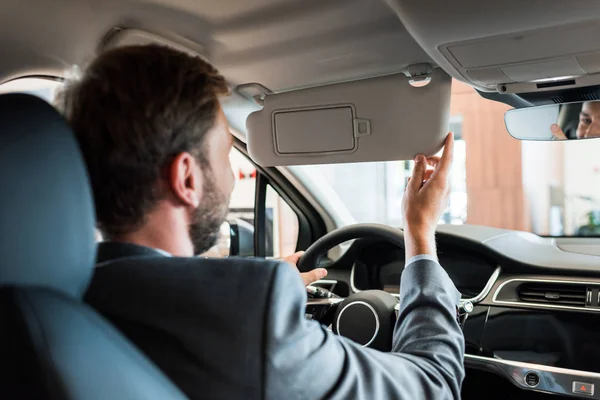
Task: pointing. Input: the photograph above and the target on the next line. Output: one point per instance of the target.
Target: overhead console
(494, 45)
(376, 119)
(566, 52)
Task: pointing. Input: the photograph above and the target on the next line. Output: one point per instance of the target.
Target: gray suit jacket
(235, 329)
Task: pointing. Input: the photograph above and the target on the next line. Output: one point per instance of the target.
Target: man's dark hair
(133, 110)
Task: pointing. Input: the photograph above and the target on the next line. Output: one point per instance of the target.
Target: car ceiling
(280, 43)
(285, 44)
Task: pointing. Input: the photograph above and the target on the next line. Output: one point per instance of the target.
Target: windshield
(548, 188)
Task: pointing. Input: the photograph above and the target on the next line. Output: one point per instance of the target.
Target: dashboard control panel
(560, 381)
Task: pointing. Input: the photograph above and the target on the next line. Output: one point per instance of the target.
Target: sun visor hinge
(419, 74)
(254, 92)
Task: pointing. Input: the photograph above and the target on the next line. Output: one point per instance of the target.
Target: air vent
(553, 293)
(579, 97)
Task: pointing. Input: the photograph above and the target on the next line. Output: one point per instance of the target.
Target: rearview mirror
(571, 121)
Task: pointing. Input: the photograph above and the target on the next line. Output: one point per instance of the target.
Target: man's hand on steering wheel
(307, 277)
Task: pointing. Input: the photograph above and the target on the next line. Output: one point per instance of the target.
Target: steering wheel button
(360, 322)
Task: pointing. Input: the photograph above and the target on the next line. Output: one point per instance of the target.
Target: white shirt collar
(164, 253)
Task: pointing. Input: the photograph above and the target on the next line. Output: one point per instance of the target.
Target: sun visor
(377, 119)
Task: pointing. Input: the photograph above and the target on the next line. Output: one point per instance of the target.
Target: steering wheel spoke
(322, 310)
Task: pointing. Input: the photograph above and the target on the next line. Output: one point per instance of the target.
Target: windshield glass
(548, 188)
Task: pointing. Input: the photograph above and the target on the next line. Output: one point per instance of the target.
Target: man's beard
(208, 217)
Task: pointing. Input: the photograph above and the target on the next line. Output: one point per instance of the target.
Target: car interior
(330, 102)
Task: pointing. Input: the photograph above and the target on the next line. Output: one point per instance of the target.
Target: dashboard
(534, 331)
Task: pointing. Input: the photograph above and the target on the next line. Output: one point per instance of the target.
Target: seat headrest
(47, 218)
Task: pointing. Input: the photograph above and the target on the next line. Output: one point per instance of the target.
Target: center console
(554, 352)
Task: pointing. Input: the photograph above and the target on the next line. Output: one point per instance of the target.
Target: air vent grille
(553, 293)
(568, 98)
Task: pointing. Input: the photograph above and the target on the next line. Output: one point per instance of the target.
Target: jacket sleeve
(304, 360)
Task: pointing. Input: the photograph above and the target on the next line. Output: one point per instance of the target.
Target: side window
(281, 226)
(241, 203)
(279, 222)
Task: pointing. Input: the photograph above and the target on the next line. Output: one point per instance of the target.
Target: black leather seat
(52, 346)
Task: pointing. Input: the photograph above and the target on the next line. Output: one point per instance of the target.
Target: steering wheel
(368, 316)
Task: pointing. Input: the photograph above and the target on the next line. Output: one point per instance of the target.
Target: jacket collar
(108, 251)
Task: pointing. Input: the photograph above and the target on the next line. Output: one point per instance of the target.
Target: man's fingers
(443, 167)
(428, 174)
(426, 177)
(557, 132)
(294, 258)
(418, 174)
(433, 161)
(313, 276)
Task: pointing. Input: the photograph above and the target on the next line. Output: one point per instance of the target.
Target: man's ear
(185, 179)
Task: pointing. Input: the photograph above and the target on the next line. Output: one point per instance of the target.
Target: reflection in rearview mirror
(569, 121)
